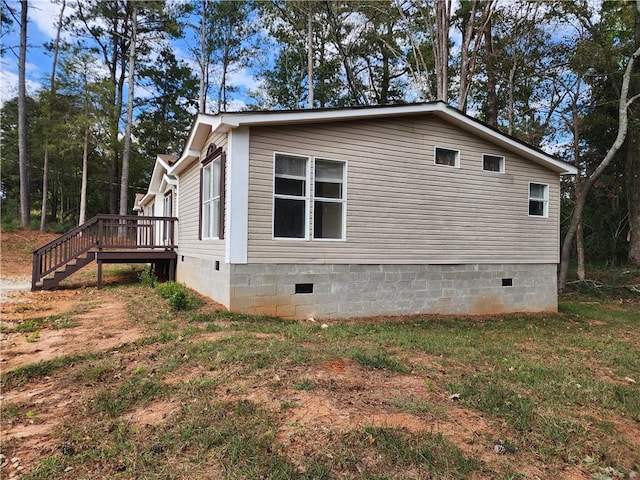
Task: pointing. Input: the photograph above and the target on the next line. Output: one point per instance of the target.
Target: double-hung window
(329, 200)
(212, 195)
(167, 233)
(538, 200)
(299, 200)
(291, 196)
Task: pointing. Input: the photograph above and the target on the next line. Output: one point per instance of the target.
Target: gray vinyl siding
(401, 207)
(189, 204)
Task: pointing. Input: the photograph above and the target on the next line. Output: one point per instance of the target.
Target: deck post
(172, 270)
(99, 273)
(35, 271)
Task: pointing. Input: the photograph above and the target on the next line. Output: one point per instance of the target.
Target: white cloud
(45, 15)
(236, 105)
(9, 86)
(243, 78)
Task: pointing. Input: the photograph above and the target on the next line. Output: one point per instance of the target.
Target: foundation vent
(304, 287)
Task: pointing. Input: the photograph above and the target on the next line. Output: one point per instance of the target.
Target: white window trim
(211, 201)
(435, 149)
(307, 192)
(502, 163)
(310, 199)
(167, 200)
(343, 200)
(544, 200)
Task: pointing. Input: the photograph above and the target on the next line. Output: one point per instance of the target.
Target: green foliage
(178, 296)
(304, 385)
(10, 221)
(176, 89)
(30, 325)
(147, 277)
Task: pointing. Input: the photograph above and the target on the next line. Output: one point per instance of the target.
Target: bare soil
(50, 399)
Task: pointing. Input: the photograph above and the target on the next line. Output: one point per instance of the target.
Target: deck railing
(125, 232)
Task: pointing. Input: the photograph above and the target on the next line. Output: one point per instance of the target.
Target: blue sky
(43, 17)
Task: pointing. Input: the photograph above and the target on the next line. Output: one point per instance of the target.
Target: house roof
(206, 124)
(136, 203)
(168, 159)
(160, 169)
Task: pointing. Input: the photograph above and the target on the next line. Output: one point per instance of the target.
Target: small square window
(445, 156)
(538, 200)
(493, 163)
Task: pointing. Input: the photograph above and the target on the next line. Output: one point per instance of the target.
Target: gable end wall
(401, 208)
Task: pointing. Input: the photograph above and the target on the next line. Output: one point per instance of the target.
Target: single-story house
(362, 211)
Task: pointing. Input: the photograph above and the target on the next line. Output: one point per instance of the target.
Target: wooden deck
(107, 239)
(163, 261)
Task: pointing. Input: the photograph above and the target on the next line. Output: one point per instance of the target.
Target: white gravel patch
(10, 285)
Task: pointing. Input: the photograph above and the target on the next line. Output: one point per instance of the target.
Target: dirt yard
(82, 320)
(18, 304)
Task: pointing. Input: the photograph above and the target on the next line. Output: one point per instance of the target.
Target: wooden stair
(48, 283)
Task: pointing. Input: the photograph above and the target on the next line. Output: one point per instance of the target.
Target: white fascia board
(170, 180)
(146, 199)
(167, 181)
(230, 121)
(480, 129)
(185, 160)
(162, 163)
(200, 129)
(159, 169)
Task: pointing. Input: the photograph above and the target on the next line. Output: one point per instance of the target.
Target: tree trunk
(118, 83)
(126, 155)
(467, 35)
(492, 99)
(45, 185)
(633, 190)
(577, 162)
(623, 122)
(85, 168)
(310, 54)
(222, 91)
(443, 7)
(23, 158)
(632, 173)
(580, 272)
(510, 99)
(202, 105)
(52, 91)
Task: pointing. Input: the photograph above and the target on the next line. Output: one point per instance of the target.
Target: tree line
(127, 77)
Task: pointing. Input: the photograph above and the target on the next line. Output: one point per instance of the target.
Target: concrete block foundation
(339, 291)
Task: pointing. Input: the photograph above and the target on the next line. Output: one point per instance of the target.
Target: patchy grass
(212, 394)
(22, 375)
(33, 325)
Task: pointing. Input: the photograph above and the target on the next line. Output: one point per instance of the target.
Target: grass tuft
(379, 360)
